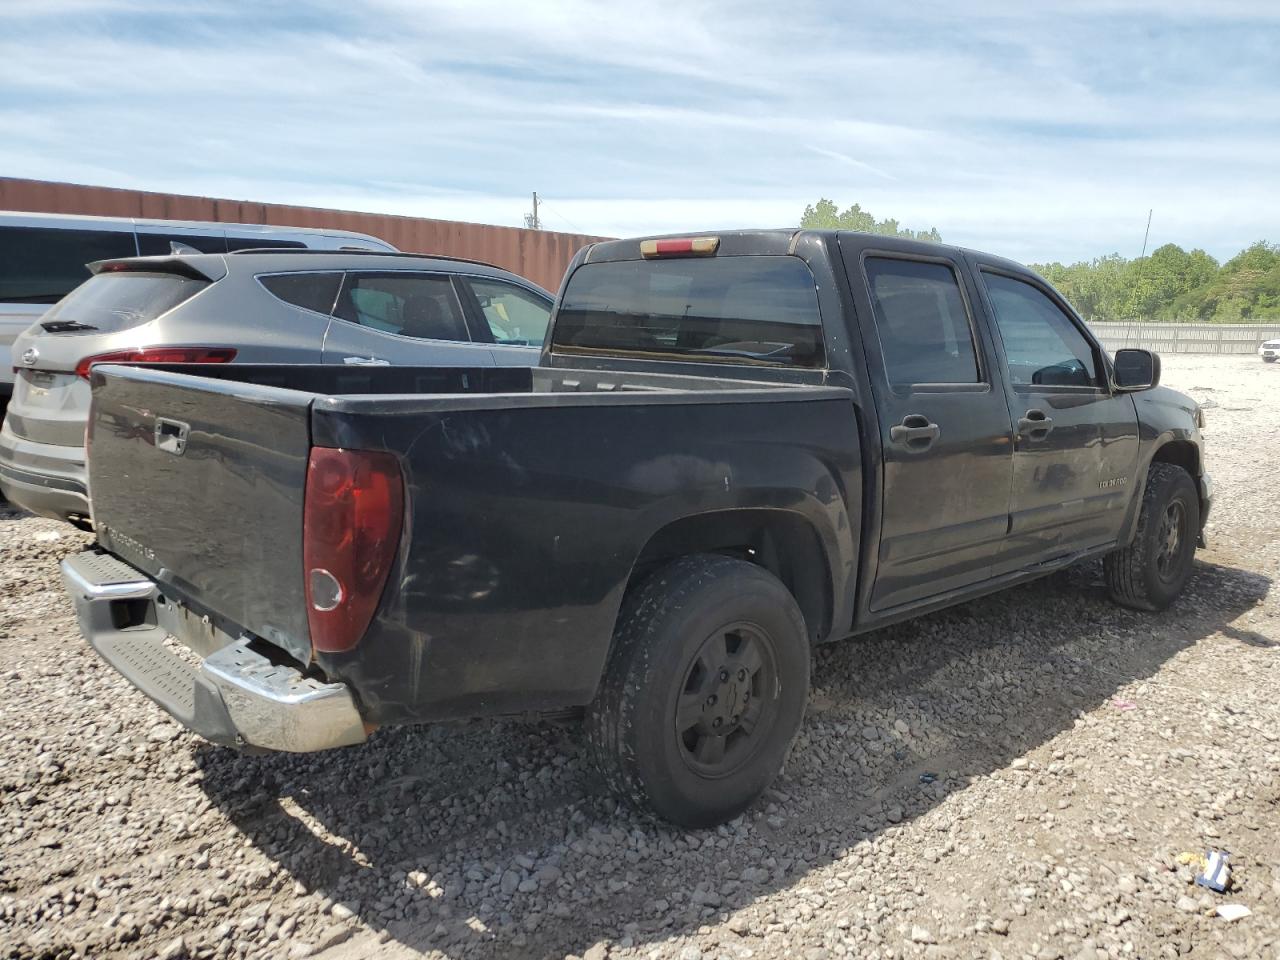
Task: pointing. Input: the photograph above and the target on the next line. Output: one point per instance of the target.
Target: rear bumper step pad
(235, 696)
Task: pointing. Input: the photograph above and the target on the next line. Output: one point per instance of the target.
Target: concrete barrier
(1213, 338)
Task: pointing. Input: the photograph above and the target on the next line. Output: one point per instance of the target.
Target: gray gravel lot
(1015, 777)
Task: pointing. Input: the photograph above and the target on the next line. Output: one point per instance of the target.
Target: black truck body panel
(521, 536)
(535, 498)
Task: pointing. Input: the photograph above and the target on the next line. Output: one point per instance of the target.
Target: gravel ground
(1015, 777)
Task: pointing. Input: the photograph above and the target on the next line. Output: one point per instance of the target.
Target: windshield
(117, 301)
(760, 310)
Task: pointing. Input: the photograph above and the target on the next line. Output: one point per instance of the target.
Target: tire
(720, 646)
(1151, 572)
(1268, 359)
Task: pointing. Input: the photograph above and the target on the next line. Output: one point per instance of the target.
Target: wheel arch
(1180, 453)
(1172, 450)
(783, 542)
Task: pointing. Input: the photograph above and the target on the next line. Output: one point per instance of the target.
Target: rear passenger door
(404, 318)
(944, 424)
(1075, 442)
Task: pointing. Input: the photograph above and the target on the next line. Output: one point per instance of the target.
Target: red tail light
(352, 514)
(159, 355)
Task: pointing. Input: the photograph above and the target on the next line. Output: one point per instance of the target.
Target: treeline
(825, 215)
(1173, 284)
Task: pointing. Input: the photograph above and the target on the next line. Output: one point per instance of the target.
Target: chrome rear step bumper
(234, 696)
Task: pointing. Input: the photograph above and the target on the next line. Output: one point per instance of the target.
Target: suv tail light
(352, 513)
(159, 355)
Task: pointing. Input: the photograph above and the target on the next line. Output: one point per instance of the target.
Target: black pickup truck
(735, 447)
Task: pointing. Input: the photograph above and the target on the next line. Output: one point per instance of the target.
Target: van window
(311, 291)
(760, 310)
(263, 243)
(110, 302)
(159, 244)
(43, 264)
(921, 322)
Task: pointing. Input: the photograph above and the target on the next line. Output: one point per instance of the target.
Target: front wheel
(704, 691)
(1151, 572)
(1268, 359)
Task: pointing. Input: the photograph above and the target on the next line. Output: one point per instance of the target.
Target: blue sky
(1040, 130)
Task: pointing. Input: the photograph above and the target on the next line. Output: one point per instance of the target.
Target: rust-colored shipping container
(539, 255)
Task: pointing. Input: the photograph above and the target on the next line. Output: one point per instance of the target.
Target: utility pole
(1144, 236)
(531, 219)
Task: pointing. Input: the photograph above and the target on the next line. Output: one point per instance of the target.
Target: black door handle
(915, 431)
(1035, 424)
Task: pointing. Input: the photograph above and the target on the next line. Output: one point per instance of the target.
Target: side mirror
(1136, 369)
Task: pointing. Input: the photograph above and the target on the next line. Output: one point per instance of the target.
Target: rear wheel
(1151, 572)
(704, 691)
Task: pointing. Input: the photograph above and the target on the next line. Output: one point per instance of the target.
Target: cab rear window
(757, 310)
(110, 302)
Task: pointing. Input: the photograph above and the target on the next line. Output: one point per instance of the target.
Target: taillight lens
(159, 355)
(352, 514)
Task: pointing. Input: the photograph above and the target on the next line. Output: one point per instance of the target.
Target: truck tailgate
(199, 483)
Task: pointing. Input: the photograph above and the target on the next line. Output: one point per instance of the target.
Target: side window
(41, 265)
(515, 315)
(262, 243)
(311, 291)
(1042, 345)
(922, 322)
(416, 305)
(161, 244)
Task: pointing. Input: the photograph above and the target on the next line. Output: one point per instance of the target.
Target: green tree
(1173, 284)
(825, 215)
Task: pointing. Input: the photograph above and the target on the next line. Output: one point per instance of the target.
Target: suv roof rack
(364, 251)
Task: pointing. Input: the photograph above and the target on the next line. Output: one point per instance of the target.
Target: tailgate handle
(171, 435)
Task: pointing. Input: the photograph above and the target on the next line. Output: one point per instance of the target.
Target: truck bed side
(527, 514)
(527, 522)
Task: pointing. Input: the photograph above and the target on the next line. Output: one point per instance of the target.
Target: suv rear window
(110, 302)
(760, 310)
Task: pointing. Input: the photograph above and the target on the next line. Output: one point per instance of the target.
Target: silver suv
(310, 306)
(43, 257)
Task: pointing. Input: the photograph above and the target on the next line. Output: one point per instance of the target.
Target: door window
(1042, 346)
(407, 304)
(41, 265)
(922, 322)
(311, 291)
(515, 316)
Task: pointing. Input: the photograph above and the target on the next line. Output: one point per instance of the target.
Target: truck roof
(780, 241)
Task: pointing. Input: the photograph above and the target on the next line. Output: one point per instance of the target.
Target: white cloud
(1039, 131)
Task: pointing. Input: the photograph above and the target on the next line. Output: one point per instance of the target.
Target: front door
(401, 317)
(1076, 442)
(944, 426)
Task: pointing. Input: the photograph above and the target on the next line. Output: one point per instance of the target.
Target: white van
(43, 256)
